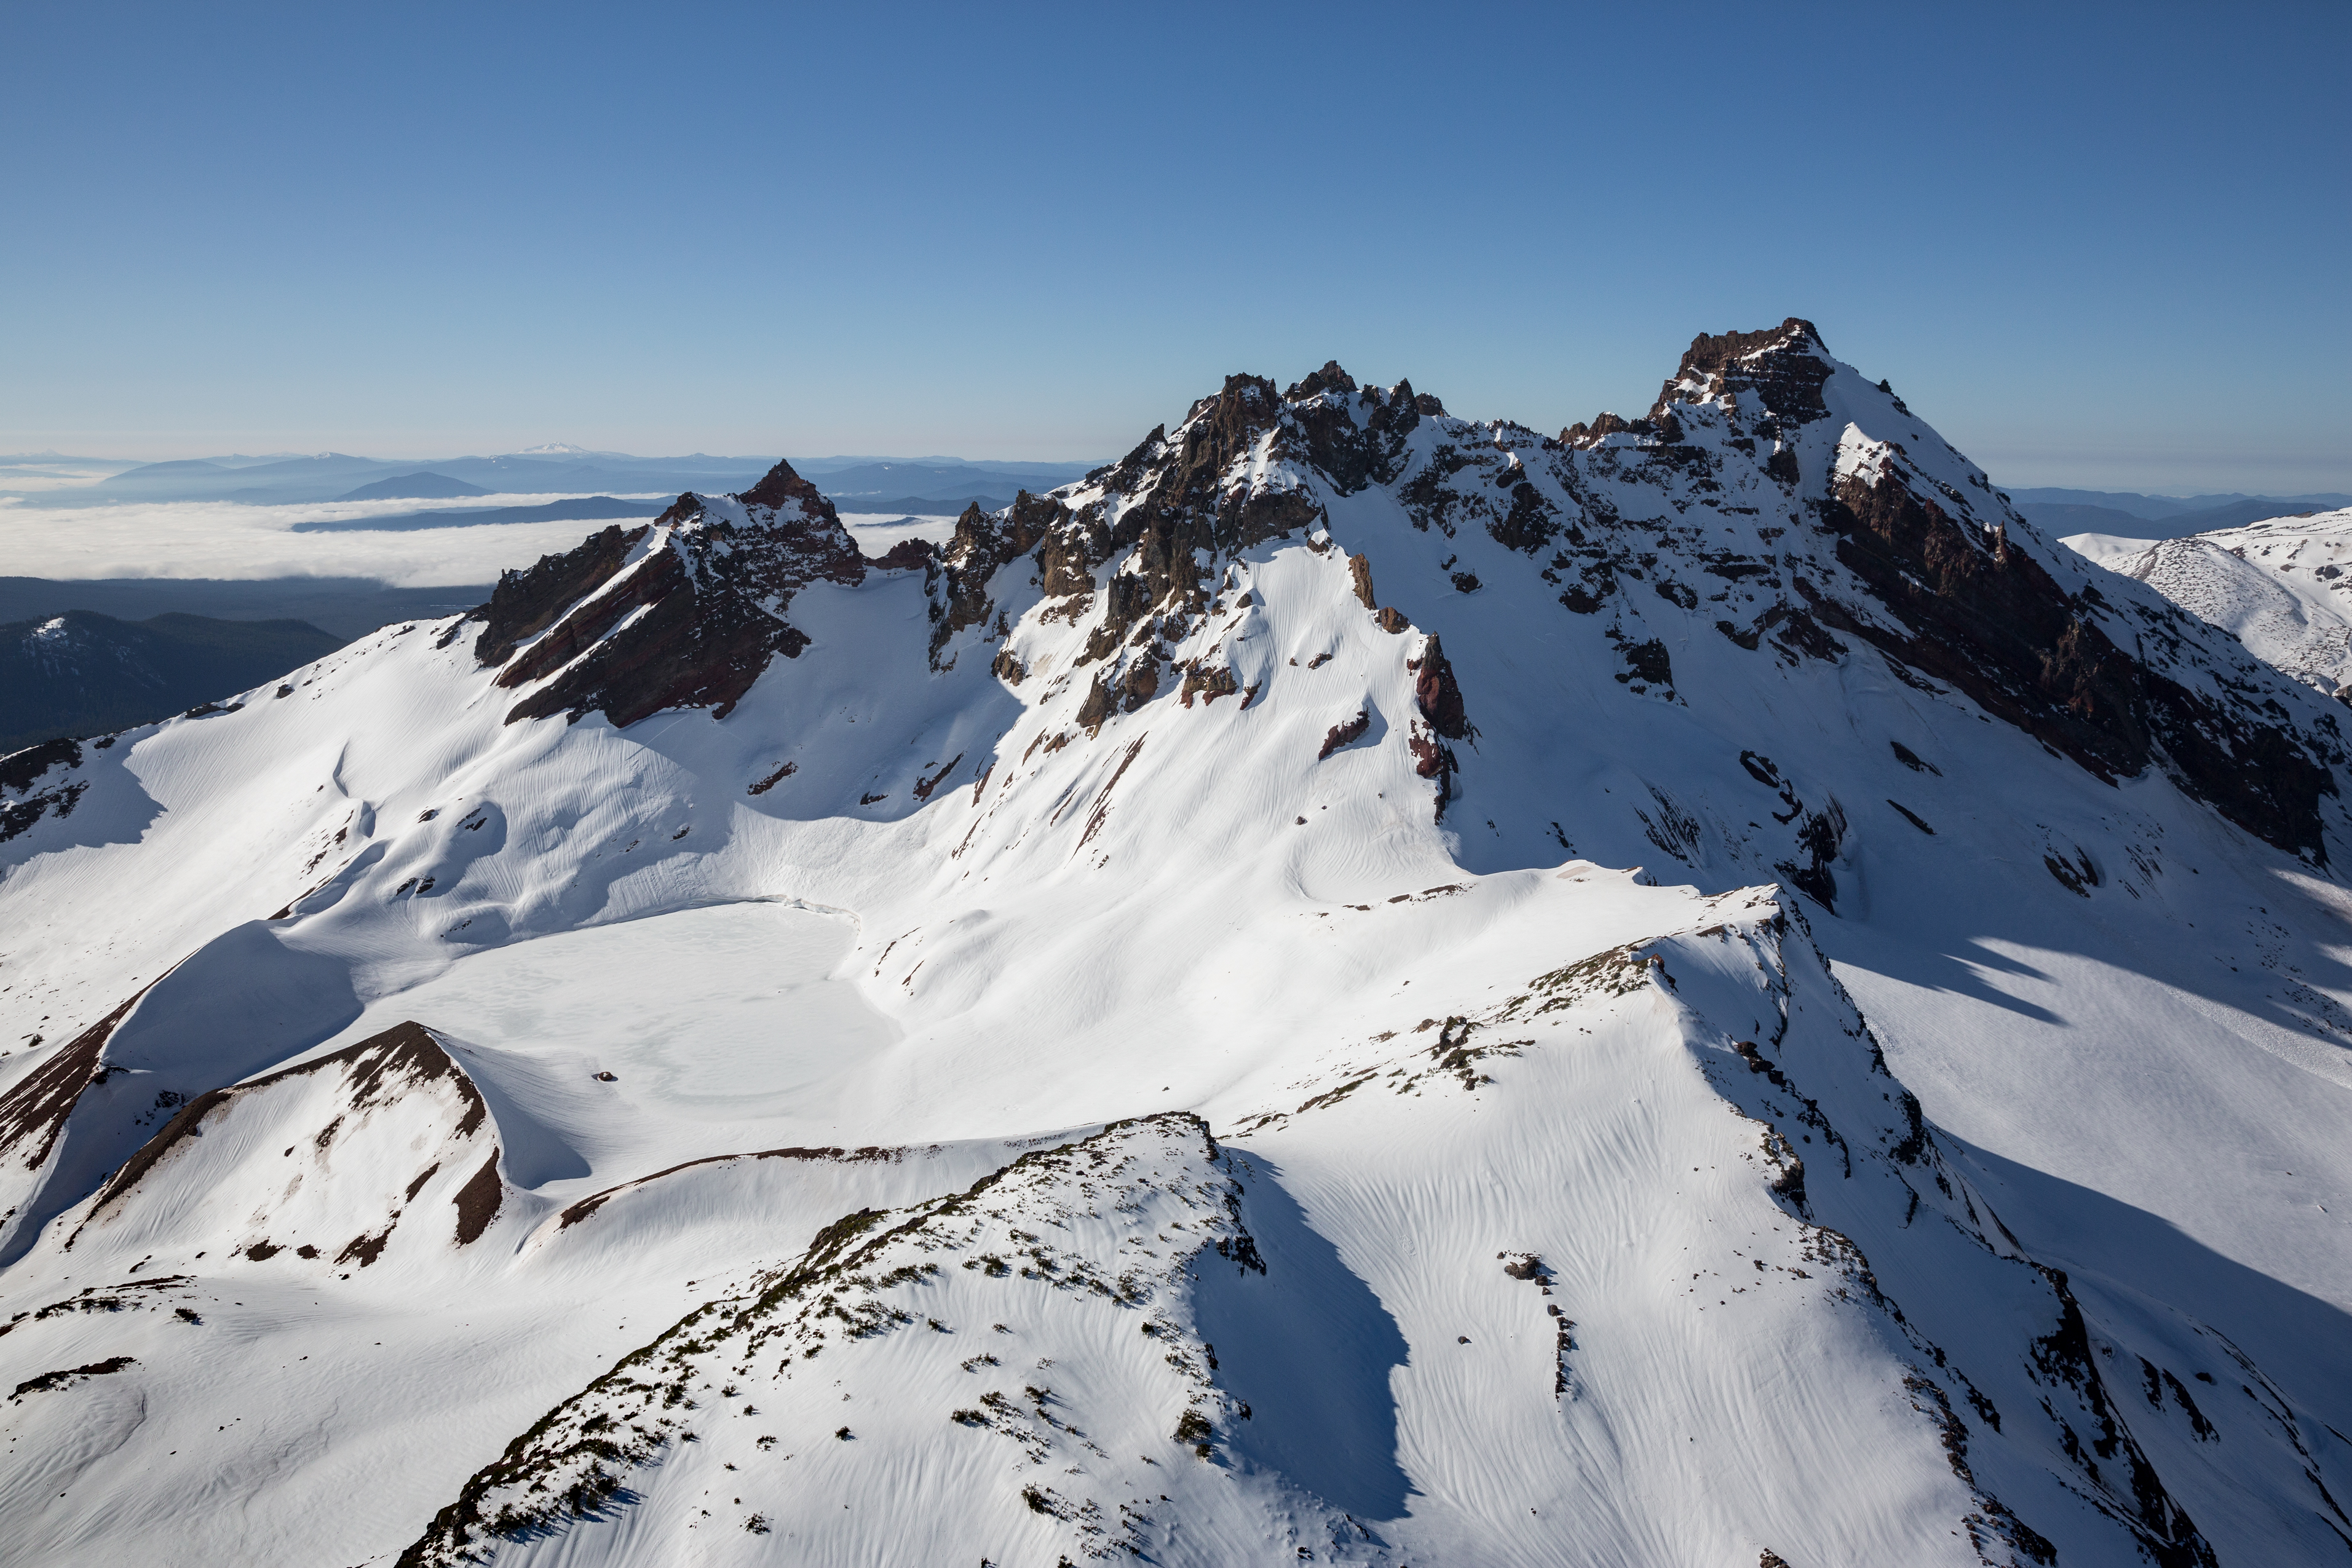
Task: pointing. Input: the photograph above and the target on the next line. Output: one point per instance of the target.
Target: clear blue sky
(2104, 247)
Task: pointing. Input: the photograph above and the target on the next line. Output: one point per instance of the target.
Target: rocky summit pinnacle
(781, 488)
(686, 613)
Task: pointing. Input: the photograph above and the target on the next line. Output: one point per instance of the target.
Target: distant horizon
(2119, 487)
(2147, 466)
(2092, 261)
(479, 453)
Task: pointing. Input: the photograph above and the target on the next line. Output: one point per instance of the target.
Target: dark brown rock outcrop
(1987, 617)
(33, 1111)
(1435, 688)
(1345, 733)
(1186, 508)
(782, 489)
(1530, 523)
(1176, 505)
(1786, 381)
(689, 650)
(908, 556)
(477, 1201)
(1171, 503)
(1603, 425)
(1330, 378)
(1432, 759)
(712, 600)
(1822, 838)
(1355, 439)
(1096, 708)
(983, 545)
(526, 603)
(1208, 682)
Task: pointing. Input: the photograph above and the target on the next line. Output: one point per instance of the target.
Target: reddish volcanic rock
(712, 592)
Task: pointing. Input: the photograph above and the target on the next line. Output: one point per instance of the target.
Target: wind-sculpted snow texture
(1144, 1031)
(928, 1322)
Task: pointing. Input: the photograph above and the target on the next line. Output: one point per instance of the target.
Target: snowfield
(1354, 988)
(2278, 587)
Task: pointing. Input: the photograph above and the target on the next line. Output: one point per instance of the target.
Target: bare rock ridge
(689, 617)
(848, 1295)
(1838, 536)
(1988, 618)
(1876, 549)
(1436, 689)
(526, 601)
(1784, 368)
(371, 1132)
(704, 605)
(33, 1111)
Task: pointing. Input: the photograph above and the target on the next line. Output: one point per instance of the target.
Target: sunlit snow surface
(1543, 1265)
(743, 1037)
(2279, 586)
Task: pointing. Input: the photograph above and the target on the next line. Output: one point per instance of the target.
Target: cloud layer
(225, 539)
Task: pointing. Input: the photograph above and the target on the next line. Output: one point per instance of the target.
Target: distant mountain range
(415, 487)
(895, 485)
(579, 509)
(83, 674)
(338, 476)
(921, 506)
(855, 483)
(933, 486)
(2064, 512)
(348, 607)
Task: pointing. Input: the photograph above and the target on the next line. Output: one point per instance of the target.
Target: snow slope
(2275, 586)
(1145, 1029)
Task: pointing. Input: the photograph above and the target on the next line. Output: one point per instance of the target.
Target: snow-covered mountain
(2278, 585)
(1356, 985)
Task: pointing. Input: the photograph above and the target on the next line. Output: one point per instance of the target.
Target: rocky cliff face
(1742, 503)
(686, 614)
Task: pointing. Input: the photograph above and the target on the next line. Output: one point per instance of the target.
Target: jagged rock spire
(1783, 366)
(781, 487)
